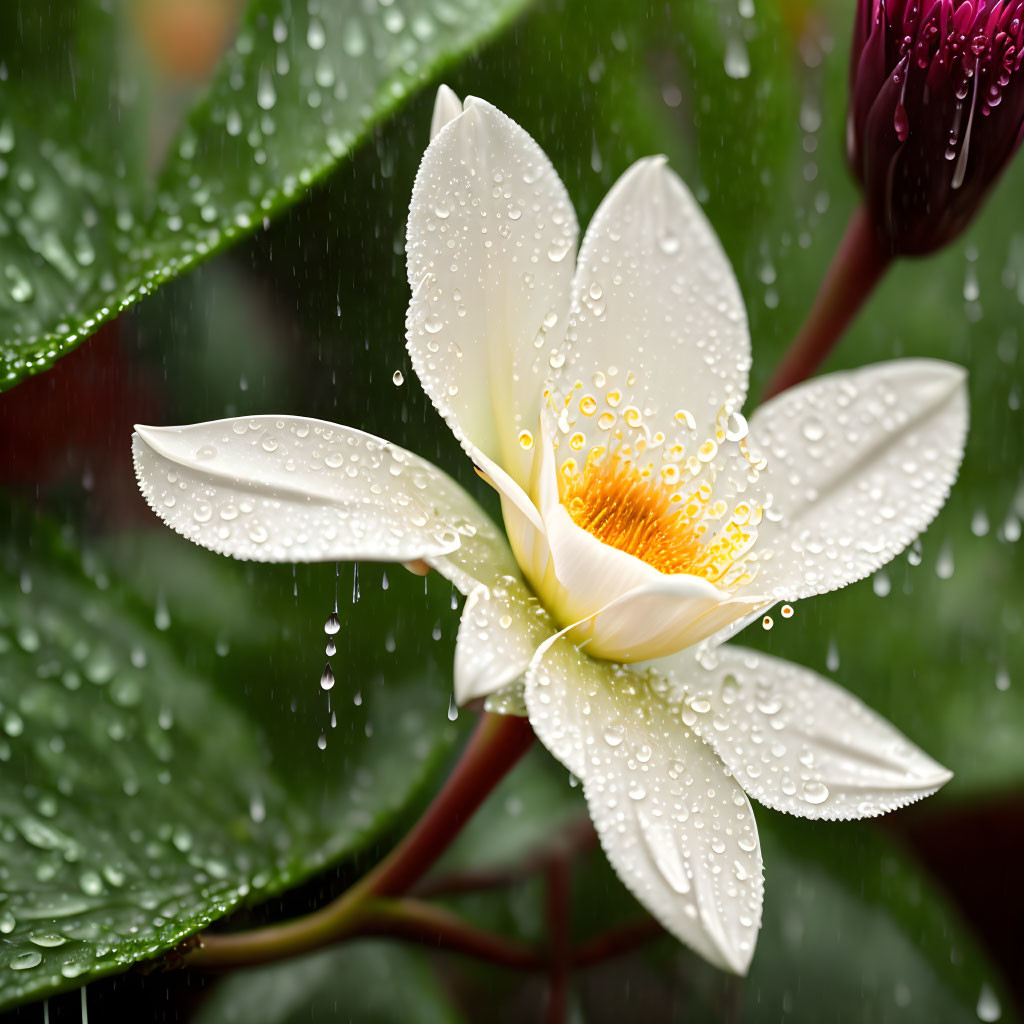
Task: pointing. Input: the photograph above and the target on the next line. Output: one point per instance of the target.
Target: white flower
(600, 395)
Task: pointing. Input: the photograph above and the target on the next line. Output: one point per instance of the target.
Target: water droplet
(330, 650)
(737, 60)
(266, 96)
(453, 709)
(23, 961)
(988, 1008)
(832, 656)
(398, 377)
(316, 38)
(327, 677)
(322, 742)
(332, 626)
(614, 735)
(815, 792)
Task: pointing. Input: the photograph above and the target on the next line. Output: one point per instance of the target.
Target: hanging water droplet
(988, 1008)
(322, 742)
(327, 677)
(453, 709)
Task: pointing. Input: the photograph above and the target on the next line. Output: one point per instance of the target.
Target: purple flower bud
(936, 111)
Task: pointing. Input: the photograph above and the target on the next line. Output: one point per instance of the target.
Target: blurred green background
(168, 756)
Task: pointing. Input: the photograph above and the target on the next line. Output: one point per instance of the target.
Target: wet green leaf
(375, 983)
(101, 200)
(140, 799)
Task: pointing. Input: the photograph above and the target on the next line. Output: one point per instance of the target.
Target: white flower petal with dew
(858, 464)
(793, 740)
(502, 626)
(447, 107)
(657, 315)
(677, 829)
(291, 489)
(491, 241)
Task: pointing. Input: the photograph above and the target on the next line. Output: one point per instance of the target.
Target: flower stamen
(654, 520)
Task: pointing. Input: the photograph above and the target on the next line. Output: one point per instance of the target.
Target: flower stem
(858, 265)
(496, 745)
(437, 928)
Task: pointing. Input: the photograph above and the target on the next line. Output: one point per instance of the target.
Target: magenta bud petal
(936, 112)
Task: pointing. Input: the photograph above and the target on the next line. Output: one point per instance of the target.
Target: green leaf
(375, 982)
(141, 800)
(86, 223)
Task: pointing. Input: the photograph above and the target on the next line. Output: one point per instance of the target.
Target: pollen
(657, 518)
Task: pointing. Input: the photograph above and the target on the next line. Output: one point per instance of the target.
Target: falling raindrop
(988, 1008)
(322, 742)
(737, 60)
(162, 615)
(398, 378)
(330, 650)
(832, 656)
(327, 677)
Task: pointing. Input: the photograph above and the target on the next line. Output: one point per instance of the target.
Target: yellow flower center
(654, 520)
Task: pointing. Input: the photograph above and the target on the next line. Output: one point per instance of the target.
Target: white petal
(501, 628)
(289, 489)
(659, 619)
(797, 742)
(678, 830)
(447, 107)
(858, 464)
(491, 243)
(655, 298)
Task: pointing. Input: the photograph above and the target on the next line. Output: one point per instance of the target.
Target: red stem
(439, 929)
(858, 265)
(496, 745)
